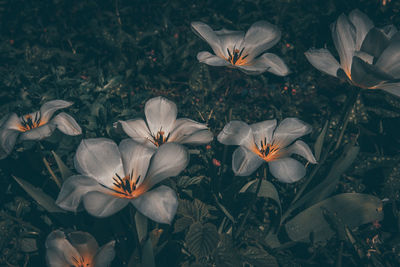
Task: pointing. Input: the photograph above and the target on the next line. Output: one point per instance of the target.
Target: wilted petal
(237, 133)
(207, 34)
(73, 189)
(393, 88)
(102, 205)
(48, 108)
(100, 159)
(59, 252)
(245, 162)
(302, 149)
(375, 42)
(137, 130)
(210, 59)
(38, 133)
(135, 158)
(261, 36)
(343, 34)
(85, 244)
(105, 255)
(66, 124)
(187, 131)
(169, 160)
(8, 136)
(289, 130)
(158, 204)
(323, 60)
(389, 60)
(362, 24)
(287, 170)
(366, 75)
(160, 115)
(262, 131)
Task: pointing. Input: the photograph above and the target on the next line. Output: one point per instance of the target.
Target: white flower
(264, 142)
(113, 176)
(243, 51)
(369, 57)
(77, 249)
(162, 126)
(36, 125)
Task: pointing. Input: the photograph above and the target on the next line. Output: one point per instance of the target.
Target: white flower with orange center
(36, 125)
(113, 176)
(244, 51)
(162, 126)
(369, 56)
(264, 142)
(77, 249)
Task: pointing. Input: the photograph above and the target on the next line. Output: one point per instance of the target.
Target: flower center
(28, 122)
(160, 138)
(81, 262)
(268, 152)
(125, 187)
(236, 57)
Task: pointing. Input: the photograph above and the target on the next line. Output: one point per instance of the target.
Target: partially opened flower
(78, 249)
(162, 126)
(264, 142)
(113, 176)
(36, 125)
(368, 56)
(244, 51)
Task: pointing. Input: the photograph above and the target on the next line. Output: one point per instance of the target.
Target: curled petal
(245, 162)
(323, 60)
(262, 132)
(289, 130)
(187, 131)
(100, 159)
(100, 204)
(105, 255)
(362, 25)
(237, 133)
(159, 204)
(38, 133)
(393, 88)
(59, 251)
(207, 34)
(302, 149)
(136, 129)
(366, 75)
(48, 108)
(375, 42)
(66, 124)
(266, 62)
(389, 60)
(287, 170)
(84, 243)
(160, 115)
(210, 59)
(8, 136)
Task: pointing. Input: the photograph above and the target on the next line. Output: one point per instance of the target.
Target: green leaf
(353, 209)
(64, 170)
(320, 141)
(148, 255)
(182, 223)
(196, 209)
(141, 226)
(39, 196)
(202, 240)
(258, 257)
(267, 190)
(185, 181)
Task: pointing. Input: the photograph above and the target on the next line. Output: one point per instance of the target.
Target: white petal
(343, 34)
(287, 170)
(266, 62)
(245, 162)
(169, 160)
(159, 204)
(38, 133)
(230, 40)
(100, 159)
(393, 88)
(261, 36)
(105, 255)
(73, 189)
(102, 205)
(389, 60)
(207, 34)
(362, 24)
(66, 124)
(302, 149)
(8, 136)
(323, 60)
(48, 108)
(160, 115)
(237, 133)
(135, 158)
(12, 122)
(84, 243)
(187, 131)
(389, 31)
(364, 56)
(136, 129)
(59, 251)
(210, 59)
(289, 130)
(262, 131)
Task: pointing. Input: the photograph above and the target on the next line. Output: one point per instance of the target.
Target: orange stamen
(268, 152)
(29, 123)
(160, 138)
(236, 57)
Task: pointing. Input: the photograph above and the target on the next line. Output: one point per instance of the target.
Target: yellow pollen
(236, 57)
